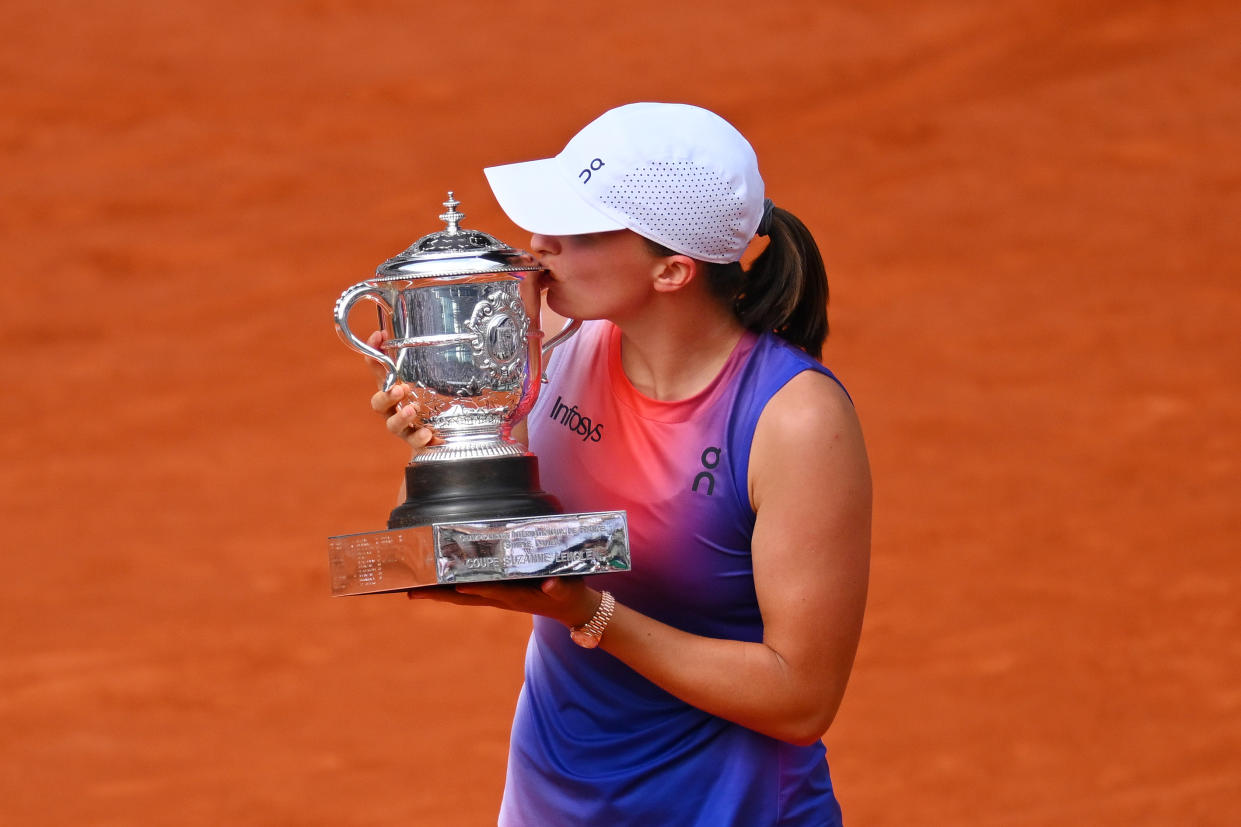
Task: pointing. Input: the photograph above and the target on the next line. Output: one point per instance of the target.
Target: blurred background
(1028, 210)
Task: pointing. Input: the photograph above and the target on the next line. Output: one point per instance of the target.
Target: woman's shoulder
(808, 431)
(808, 399)
(775, 363)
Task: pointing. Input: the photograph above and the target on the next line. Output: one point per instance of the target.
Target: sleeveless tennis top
(593, 742)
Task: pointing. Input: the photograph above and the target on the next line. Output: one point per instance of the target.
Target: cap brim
(536, 197)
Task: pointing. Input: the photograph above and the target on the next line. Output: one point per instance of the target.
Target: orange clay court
(1029, 212)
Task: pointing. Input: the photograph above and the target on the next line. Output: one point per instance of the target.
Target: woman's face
(596, 276)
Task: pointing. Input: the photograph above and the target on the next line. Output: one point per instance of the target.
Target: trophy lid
(454, 251)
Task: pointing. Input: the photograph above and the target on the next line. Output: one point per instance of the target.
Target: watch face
(584, 639)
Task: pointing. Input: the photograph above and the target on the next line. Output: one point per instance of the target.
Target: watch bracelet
(602, 616)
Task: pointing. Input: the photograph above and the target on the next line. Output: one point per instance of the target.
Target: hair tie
(764, 223)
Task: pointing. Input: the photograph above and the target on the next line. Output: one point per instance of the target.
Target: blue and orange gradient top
(593, 741)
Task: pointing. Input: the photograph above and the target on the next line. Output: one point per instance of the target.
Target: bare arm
(810, 485)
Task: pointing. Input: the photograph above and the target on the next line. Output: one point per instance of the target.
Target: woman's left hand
(566, 599)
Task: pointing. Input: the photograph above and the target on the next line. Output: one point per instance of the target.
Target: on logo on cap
(595, 166)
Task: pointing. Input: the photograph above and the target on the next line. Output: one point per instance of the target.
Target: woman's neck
(669, 353)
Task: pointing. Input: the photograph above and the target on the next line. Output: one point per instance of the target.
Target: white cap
(677, 174)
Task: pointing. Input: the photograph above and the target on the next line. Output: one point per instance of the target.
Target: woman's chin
(555, 302)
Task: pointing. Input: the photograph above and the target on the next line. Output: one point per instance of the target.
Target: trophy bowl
(460, 314)
(459, 311)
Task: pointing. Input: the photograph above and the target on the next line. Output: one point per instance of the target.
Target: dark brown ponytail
(785, 289)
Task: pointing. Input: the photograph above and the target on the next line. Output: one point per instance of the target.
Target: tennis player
(694, 689)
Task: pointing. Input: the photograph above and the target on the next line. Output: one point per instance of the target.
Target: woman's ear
(674, 272)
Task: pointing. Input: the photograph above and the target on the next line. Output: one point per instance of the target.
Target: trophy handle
(568, 330)
(343, 305)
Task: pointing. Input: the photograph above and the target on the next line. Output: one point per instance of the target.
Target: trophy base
(472, 489)
(479, 551)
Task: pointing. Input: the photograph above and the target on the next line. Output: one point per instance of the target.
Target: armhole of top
(741, 429)
(754, 394)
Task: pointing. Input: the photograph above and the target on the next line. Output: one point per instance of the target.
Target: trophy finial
(452, 218)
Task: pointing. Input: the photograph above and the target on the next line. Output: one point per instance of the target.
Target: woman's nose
(542, 245)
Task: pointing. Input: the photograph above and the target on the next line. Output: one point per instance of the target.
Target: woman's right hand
(396, 405)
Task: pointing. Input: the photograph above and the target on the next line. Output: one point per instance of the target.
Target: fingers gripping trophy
(460, 316)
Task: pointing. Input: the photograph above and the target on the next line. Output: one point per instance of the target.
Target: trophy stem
(478, 489)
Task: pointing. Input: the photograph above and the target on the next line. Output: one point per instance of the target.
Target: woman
(695, 688)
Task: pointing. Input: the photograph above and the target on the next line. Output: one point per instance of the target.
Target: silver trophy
(459, 311)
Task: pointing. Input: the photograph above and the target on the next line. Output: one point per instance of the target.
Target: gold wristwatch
(590, 633)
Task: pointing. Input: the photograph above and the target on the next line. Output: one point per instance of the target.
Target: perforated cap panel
(684, 206)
